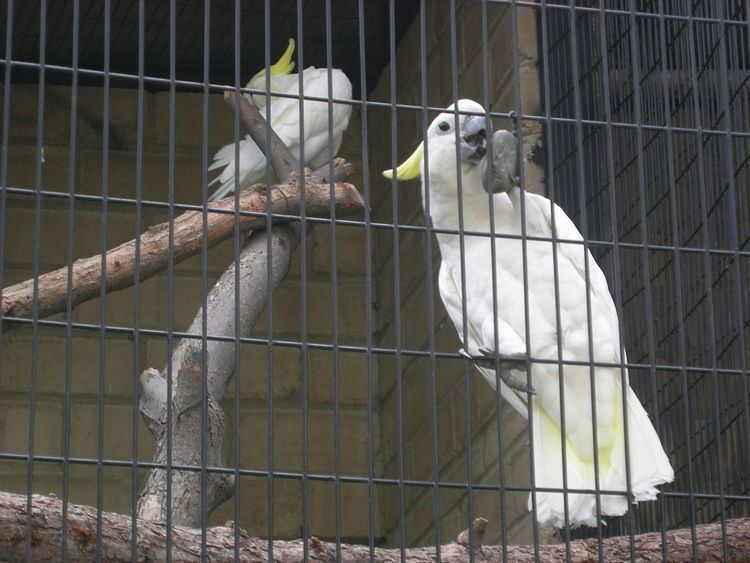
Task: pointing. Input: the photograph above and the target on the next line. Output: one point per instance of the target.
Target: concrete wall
(401, 303)
(124, 360)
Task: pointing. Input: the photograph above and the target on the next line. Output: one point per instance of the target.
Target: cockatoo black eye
(444, 126)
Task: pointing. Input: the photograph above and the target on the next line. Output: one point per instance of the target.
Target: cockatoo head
(450, 134)
(284, 65)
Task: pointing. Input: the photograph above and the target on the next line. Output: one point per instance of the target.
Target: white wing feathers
(649, 464)
(574, 253)
(285, 114)
(478, 337)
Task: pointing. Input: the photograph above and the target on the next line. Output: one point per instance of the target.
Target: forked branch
(188, 235)
(200, 370)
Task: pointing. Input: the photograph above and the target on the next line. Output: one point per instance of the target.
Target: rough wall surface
(109, 362)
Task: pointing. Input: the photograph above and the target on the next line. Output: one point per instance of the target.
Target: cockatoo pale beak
(474, 139)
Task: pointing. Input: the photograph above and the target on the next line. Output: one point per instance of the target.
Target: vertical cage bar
(646, 257)
(269, 297)
(677, 257)
(550, 185)
(368, 273)
(616, 258)
(334, 287)
(137, 277)
(462, 254)
(396, 280)
(727, 161)
(237, 20)
(579, 143)
(5, 147)
(104, 230)
(708, 274)
(39, 158)
(204, 292)
(486, 81)
(429, 281)
(303, 229)
(170, 263)
(72, 160)
(525, 267)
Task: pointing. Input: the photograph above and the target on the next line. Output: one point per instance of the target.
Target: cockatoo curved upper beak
(473, 145)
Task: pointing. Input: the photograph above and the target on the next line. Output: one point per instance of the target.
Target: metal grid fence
(645, 136)
(683, 292)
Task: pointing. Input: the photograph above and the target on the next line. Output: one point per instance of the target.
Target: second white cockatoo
(285, 120)
(495, 321)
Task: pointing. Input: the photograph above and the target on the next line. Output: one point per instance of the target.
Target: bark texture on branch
(17, 300)
(196, 392)
(283, 162)
(187, 385)
(186, 542)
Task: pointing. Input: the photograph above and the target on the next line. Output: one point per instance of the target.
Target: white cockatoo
(496, 324)
(285, 113)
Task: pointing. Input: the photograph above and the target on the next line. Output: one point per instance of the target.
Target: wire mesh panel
(675, 81)
(219, 340)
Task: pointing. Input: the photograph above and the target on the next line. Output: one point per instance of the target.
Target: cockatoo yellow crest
(278, 99)
(283, 66)
(409, 169)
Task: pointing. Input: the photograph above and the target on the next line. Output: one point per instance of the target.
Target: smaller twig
(478, 528)
(341, 170)
(283, 162)
(316, 544)
(187, 240)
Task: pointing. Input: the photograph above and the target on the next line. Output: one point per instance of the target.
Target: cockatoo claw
(490, 360)
(465, 354)
(516, 384)
(513, 116)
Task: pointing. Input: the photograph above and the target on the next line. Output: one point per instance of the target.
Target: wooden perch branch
(187, 384)
(283, 162)
(46, 543)
(195, 407)
(17, 300)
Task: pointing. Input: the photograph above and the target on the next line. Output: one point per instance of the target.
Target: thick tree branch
(17, 300)
(283, 162)
(186, 542)
(187, 383)
(201, 372)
